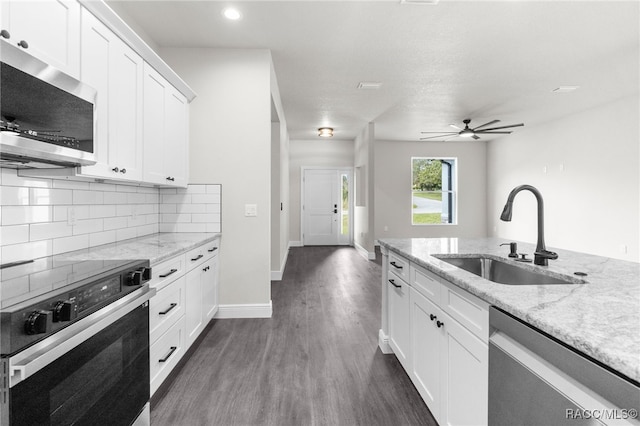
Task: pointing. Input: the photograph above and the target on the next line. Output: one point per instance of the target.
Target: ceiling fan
(473, 132)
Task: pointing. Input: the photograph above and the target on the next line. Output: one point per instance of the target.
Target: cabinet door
(210, 289)
(426, 338)
(97, 42)
(50, 27)
(125, 111)
(399, 319)
(177, 138)
(464, 376)
(193, 304)
(154, 108)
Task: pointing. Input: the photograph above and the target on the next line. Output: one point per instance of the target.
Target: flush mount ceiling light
(565, 89)
(231, 14)
(325, 132)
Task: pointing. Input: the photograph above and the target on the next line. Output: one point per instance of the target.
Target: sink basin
(506, 272)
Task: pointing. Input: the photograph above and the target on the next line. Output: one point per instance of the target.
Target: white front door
(325, 207)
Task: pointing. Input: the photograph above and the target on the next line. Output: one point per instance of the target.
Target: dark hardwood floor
(315, 362)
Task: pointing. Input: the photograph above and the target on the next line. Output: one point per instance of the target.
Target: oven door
(104, 380)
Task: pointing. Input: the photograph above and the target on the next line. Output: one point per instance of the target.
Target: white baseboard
(383, 343)
(277, 275)
(255, 310)
(295, 243)
(364, 253)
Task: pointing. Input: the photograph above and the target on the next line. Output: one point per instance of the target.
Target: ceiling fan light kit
(468, 132)
(325, 132)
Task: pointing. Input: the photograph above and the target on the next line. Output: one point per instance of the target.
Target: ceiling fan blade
(486, 124)
(502, 127)
(440, 136)
(455, 127)
(493, 133)
(443, 133)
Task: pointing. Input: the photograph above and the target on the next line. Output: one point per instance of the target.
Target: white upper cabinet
(165, 131)
(50, 29)
(115, 71)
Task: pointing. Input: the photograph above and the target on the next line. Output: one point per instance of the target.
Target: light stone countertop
(600, 318)
(155, 247)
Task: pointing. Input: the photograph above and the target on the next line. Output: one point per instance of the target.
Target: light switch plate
(251, 210)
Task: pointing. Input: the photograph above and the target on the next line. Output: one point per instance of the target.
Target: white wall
(365, 215)
(591, 187)
(332, 153)
(393, 188)
(230, 143)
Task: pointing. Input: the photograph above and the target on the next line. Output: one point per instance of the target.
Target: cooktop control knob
(38, 322)
(134, 278)
(146, 273)
(65, 310)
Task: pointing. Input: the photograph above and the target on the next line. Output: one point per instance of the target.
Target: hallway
(315, 362)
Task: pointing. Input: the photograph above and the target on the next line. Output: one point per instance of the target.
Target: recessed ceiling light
(369, 85)
(565, 89)
(231, 14)
(325, 132)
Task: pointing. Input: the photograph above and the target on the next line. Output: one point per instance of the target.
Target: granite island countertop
(155, 247)
(600, 318)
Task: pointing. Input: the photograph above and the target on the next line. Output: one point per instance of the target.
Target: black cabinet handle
(115, 169)
(173, 305)
(5, 34)
(173, 349)
(206, 269)
(395, 266)
(171, 178)
(432, 317)
(173, 271)
(23, 44)
(212, 250)
(123, 170)
(199, 256)
(439, 324)
(335, 210)
(393, 283)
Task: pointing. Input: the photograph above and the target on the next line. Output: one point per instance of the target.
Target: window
(433, 191)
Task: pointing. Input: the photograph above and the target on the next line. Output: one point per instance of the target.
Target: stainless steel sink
(507, 272)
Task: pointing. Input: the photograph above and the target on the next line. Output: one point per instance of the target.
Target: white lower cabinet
(439, 333)
(185, 302)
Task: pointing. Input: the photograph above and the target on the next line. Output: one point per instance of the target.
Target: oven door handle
(28, 362)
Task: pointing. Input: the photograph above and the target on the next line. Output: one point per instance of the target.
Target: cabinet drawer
(426, 282)
(467, 309)
(399, 266)
(166, 272)
(201, 254)
(165, 308)
(165, 353)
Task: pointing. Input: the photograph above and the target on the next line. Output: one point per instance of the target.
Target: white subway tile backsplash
(41, 217)
(50, 196)
(14, 215)
(77, 242)
(14, 196)
(14, 234)
(49, 230)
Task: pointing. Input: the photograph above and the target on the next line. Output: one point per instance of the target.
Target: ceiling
(438, 64)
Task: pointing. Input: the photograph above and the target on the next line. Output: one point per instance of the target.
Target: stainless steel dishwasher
(536, 380)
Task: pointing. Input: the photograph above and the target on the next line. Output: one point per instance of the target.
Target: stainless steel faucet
(541, 255)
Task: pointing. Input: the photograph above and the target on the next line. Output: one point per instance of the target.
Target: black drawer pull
(395, 266)
(199, 256)
(432, 317)
(173, 271)
(393, 283)
(439, 324)
(173, 349)
(212, 250)
(173, 305)
(206, 269)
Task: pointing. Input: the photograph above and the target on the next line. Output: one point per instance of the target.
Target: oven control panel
(39, 320)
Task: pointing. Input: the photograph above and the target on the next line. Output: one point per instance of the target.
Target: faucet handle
(546, 254)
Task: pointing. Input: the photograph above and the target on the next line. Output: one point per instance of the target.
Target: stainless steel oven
(77, 354)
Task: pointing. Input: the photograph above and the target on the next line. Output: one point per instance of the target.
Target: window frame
(453, 198)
